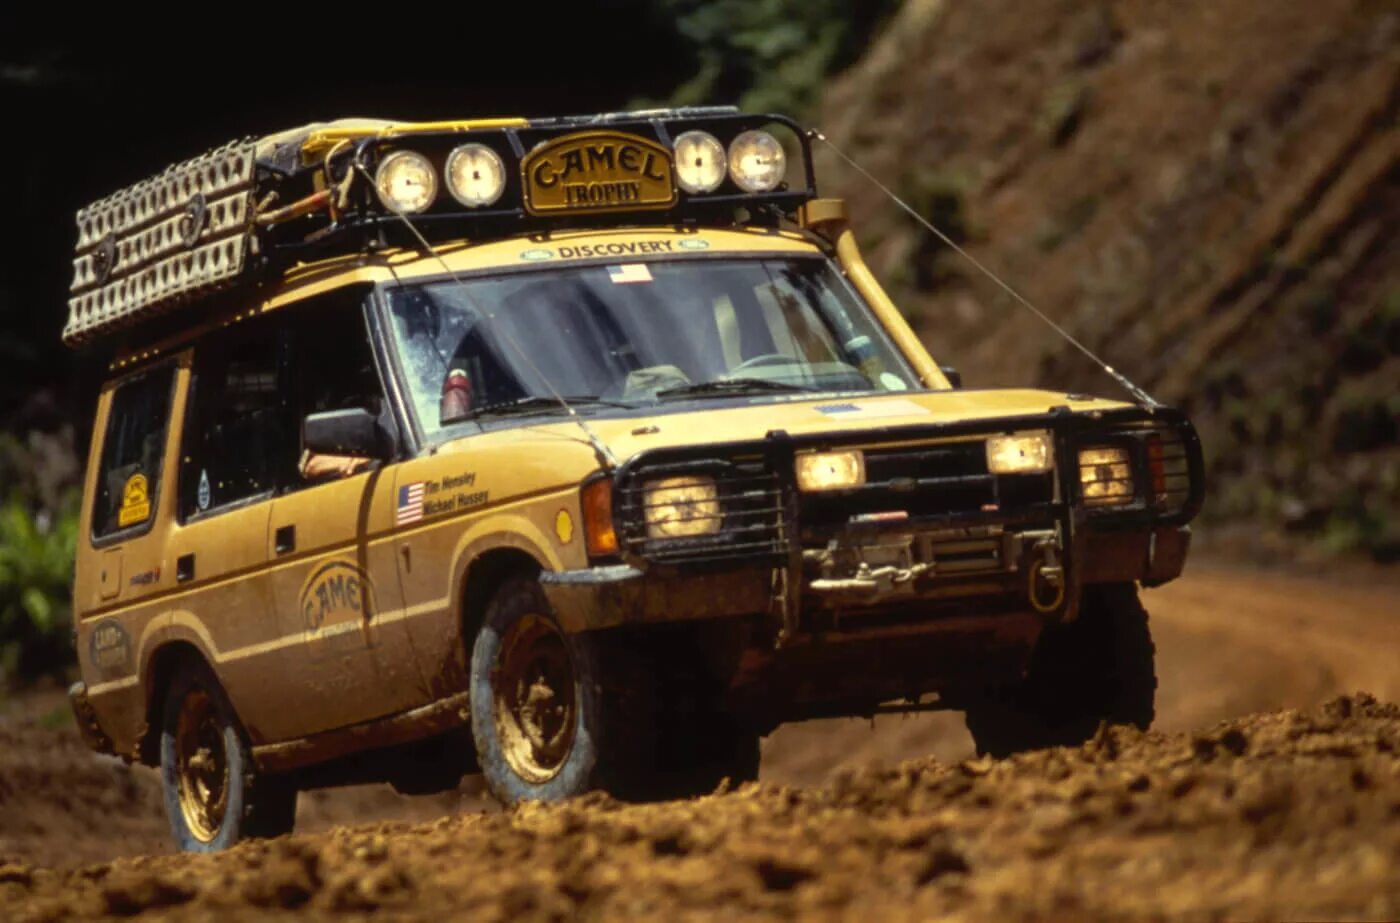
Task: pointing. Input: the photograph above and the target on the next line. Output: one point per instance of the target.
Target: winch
(864, 568)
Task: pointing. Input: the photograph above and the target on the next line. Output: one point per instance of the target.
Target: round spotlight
(406, 182)
(699, 162)
(757, 161)
(476, 177)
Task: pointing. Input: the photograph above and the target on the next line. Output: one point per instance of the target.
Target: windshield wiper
(534, 403)
(723, 387)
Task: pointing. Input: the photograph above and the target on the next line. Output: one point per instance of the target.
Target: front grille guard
(765, 533)
(1165, 481)
(745, 520)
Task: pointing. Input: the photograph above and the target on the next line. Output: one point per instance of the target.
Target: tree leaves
(36, 568)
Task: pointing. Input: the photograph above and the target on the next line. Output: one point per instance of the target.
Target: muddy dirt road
(1282, 814)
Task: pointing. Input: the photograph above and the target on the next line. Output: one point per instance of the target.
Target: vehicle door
(333, 574)
(118, 573)
(234, 429)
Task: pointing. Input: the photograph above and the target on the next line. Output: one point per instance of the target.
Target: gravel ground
(1288, 814)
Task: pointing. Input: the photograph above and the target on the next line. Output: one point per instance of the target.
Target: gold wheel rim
(201, 766)
(532, 688)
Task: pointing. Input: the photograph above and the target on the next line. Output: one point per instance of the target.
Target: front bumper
(607, 597)
(930, 534)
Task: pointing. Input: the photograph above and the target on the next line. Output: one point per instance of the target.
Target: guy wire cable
(1138, 393)
(600, 448)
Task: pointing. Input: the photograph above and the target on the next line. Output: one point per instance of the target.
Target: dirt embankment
(1289, 814)
(1206, 192)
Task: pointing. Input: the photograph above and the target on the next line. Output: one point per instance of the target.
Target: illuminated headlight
(1105, 476)
(406, 182)
(699, 162)
(475, 175)
(831, 470)
(757, 161)
(1023, 453)
(682, 507)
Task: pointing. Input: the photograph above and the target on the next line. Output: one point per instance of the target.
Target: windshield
(635, 335)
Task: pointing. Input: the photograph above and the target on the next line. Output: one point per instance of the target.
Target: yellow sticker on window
(136, 502)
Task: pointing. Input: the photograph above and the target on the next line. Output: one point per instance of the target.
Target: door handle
(184, 568)
(285, 539)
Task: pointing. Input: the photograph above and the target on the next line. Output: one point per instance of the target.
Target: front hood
(703, 422)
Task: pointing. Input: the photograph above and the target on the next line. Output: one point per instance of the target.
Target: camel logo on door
(337, 600)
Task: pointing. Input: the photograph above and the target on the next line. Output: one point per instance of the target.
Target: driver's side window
(331, 367)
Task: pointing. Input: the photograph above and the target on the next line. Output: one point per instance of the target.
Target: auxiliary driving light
(831, 470)
(699, 162)
(1023, 453)
(681, 507)
(757, 161)
(1105, 476)
(476, 177)
(406, 182)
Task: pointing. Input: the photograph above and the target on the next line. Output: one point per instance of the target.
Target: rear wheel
(213, 795)
(1100, 667)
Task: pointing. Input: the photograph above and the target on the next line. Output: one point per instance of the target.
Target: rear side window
(128, 481)
(238, 438)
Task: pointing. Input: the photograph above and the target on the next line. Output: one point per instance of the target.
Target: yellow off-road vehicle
(581, 452)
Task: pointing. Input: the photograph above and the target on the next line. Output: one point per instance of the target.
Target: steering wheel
(761, 360)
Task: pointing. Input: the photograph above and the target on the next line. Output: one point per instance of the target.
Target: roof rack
(250, 208)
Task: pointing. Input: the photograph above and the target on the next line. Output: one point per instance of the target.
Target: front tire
(556, 715)
(1100, 667)
(536, 705)
(213, 795)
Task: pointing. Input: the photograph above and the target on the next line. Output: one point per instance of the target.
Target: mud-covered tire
(249, 804)
(1100, 667)
(597, 754)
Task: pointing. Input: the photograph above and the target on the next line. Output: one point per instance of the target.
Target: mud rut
(1282, 814)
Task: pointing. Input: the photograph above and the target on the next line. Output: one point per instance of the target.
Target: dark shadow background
(92, 105)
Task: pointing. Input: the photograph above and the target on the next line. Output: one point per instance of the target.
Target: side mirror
(345, 432)
(953, 375)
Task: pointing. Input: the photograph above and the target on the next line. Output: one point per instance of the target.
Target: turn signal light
(601, 537)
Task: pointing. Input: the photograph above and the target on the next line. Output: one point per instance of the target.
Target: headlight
(475, 175)
(406, 182)
(757, 161)
(1106, 476)
(1023, 453)
(699, 162)
(682, 507)
(831, 470)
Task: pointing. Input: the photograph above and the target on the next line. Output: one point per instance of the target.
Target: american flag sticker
(629, 272)
(410, 504)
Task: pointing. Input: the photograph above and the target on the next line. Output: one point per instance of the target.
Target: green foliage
(36, 566)
(1357, 526)
(769, 55)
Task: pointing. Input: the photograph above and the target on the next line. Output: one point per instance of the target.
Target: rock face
(1203, 192)
(1281, 815)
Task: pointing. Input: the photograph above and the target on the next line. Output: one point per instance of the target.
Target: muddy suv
(580, 452)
